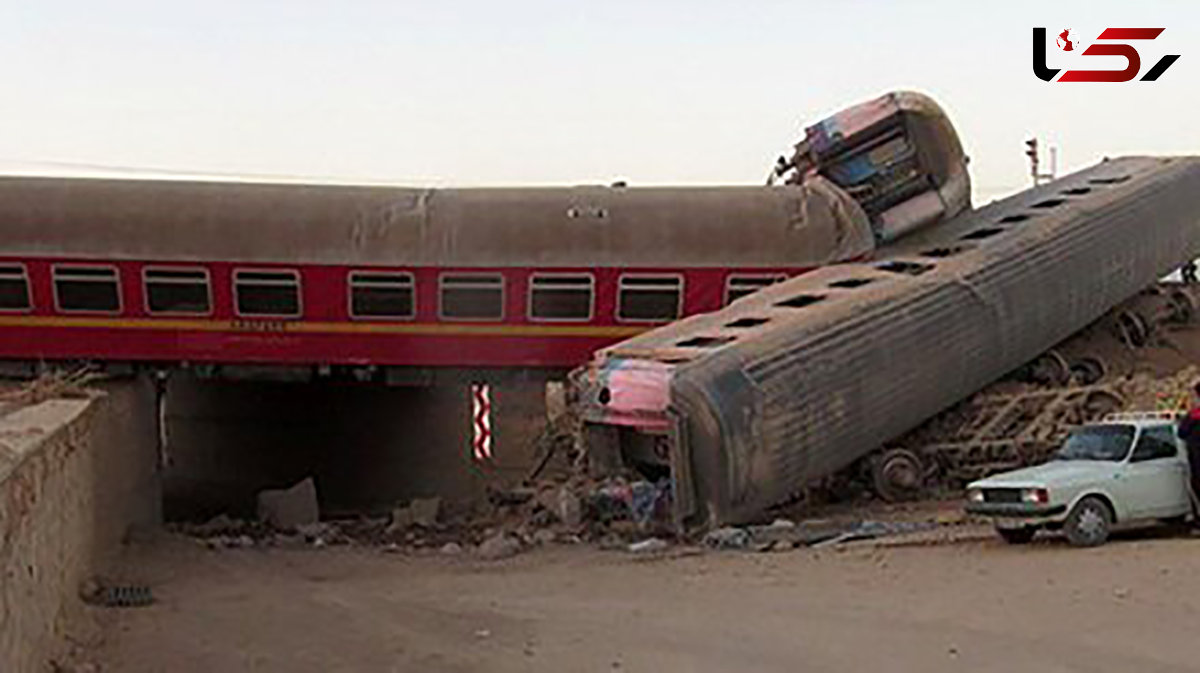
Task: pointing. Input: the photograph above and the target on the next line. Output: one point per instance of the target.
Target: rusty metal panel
(819, 384)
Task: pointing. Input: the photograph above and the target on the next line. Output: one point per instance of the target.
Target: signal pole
(1031, 151)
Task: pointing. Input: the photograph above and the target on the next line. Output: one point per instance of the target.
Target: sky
(534, 92)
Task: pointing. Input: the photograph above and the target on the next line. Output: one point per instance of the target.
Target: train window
(14, 288)
(851, 283)
(649, 297)
(267, 293)
(472, 296)
(980, 234)
(945, 252)
(1049, 203)
(561, 296)
(901, 266)
(740, 285)
(177, 290)
(87, 289)
(801, 300)
(705, 341)
(377, 294)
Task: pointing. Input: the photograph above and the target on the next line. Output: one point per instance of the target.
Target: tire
(1017, 535)
(1089, 523)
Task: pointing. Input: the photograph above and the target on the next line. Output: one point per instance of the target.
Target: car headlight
(975, 495)
(1035, 496)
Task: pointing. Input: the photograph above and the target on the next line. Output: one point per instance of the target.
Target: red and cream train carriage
(159, 271)
(165, 272)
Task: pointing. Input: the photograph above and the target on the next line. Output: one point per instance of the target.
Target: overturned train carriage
(749, 404)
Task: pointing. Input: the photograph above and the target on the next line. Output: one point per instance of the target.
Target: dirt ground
(976, 605)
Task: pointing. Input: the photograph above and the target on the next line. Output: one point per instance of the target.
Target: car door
(1155, 477)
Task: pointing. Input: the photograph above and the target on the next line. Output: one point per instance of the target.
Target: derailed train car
(412, 282)
(747, 405)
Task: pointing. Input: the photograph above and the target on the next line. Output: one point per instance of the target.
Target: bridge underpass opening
(367, 447)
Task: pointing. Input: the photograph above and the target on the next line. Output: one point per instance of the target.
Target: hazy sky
(533, 92)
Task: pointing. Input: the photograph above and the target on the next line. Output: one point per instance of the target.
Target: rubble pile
(611, 513)
(616, 514)
(1160, 393)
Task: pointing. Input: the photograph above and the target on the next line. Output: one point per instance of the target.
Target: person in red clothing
(1189, 432)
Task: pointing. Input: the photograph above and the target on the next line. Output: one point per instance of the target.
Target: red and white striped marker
(481, 415)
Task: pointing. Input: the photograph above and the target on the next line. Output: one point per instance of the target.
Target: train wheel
(1088, 370)
(898, 475)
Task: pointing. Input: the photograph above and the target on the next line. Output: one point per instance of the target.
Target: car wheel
(1017, 535)
(1089, 523)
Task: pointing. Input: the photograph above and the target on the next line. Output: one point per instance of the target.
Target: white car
(1128, 468)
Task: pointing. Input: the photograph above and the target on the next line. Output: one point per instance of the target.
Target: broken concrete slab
(287, 509)
(424, 511)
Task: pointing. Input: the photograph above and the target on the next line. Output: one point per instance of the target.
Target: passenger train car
(168, 272)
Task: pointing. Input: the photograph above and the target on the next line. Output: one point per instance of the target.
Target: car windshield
(1097, 442)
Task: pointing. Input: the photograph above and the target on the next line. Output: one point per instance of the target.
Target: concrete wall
(75, 475)
(367, 446)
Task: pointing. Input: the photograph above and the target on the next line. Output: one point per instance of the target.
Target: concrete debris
(312, 531)
(570, 508)
(401, 520)
(499, 546)
(425, 511)
(220, 524)
(289, 508)
(451, 549)
(649, 546)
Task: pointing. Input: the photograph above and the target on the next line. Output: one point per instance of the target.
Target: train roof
(778, 226)
(831, 295)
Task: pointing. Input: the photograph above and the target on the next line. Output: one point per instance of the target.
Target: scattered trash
(286, 509)
(649, 546)
(868, 530)
(727, 538)
(96, 592)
